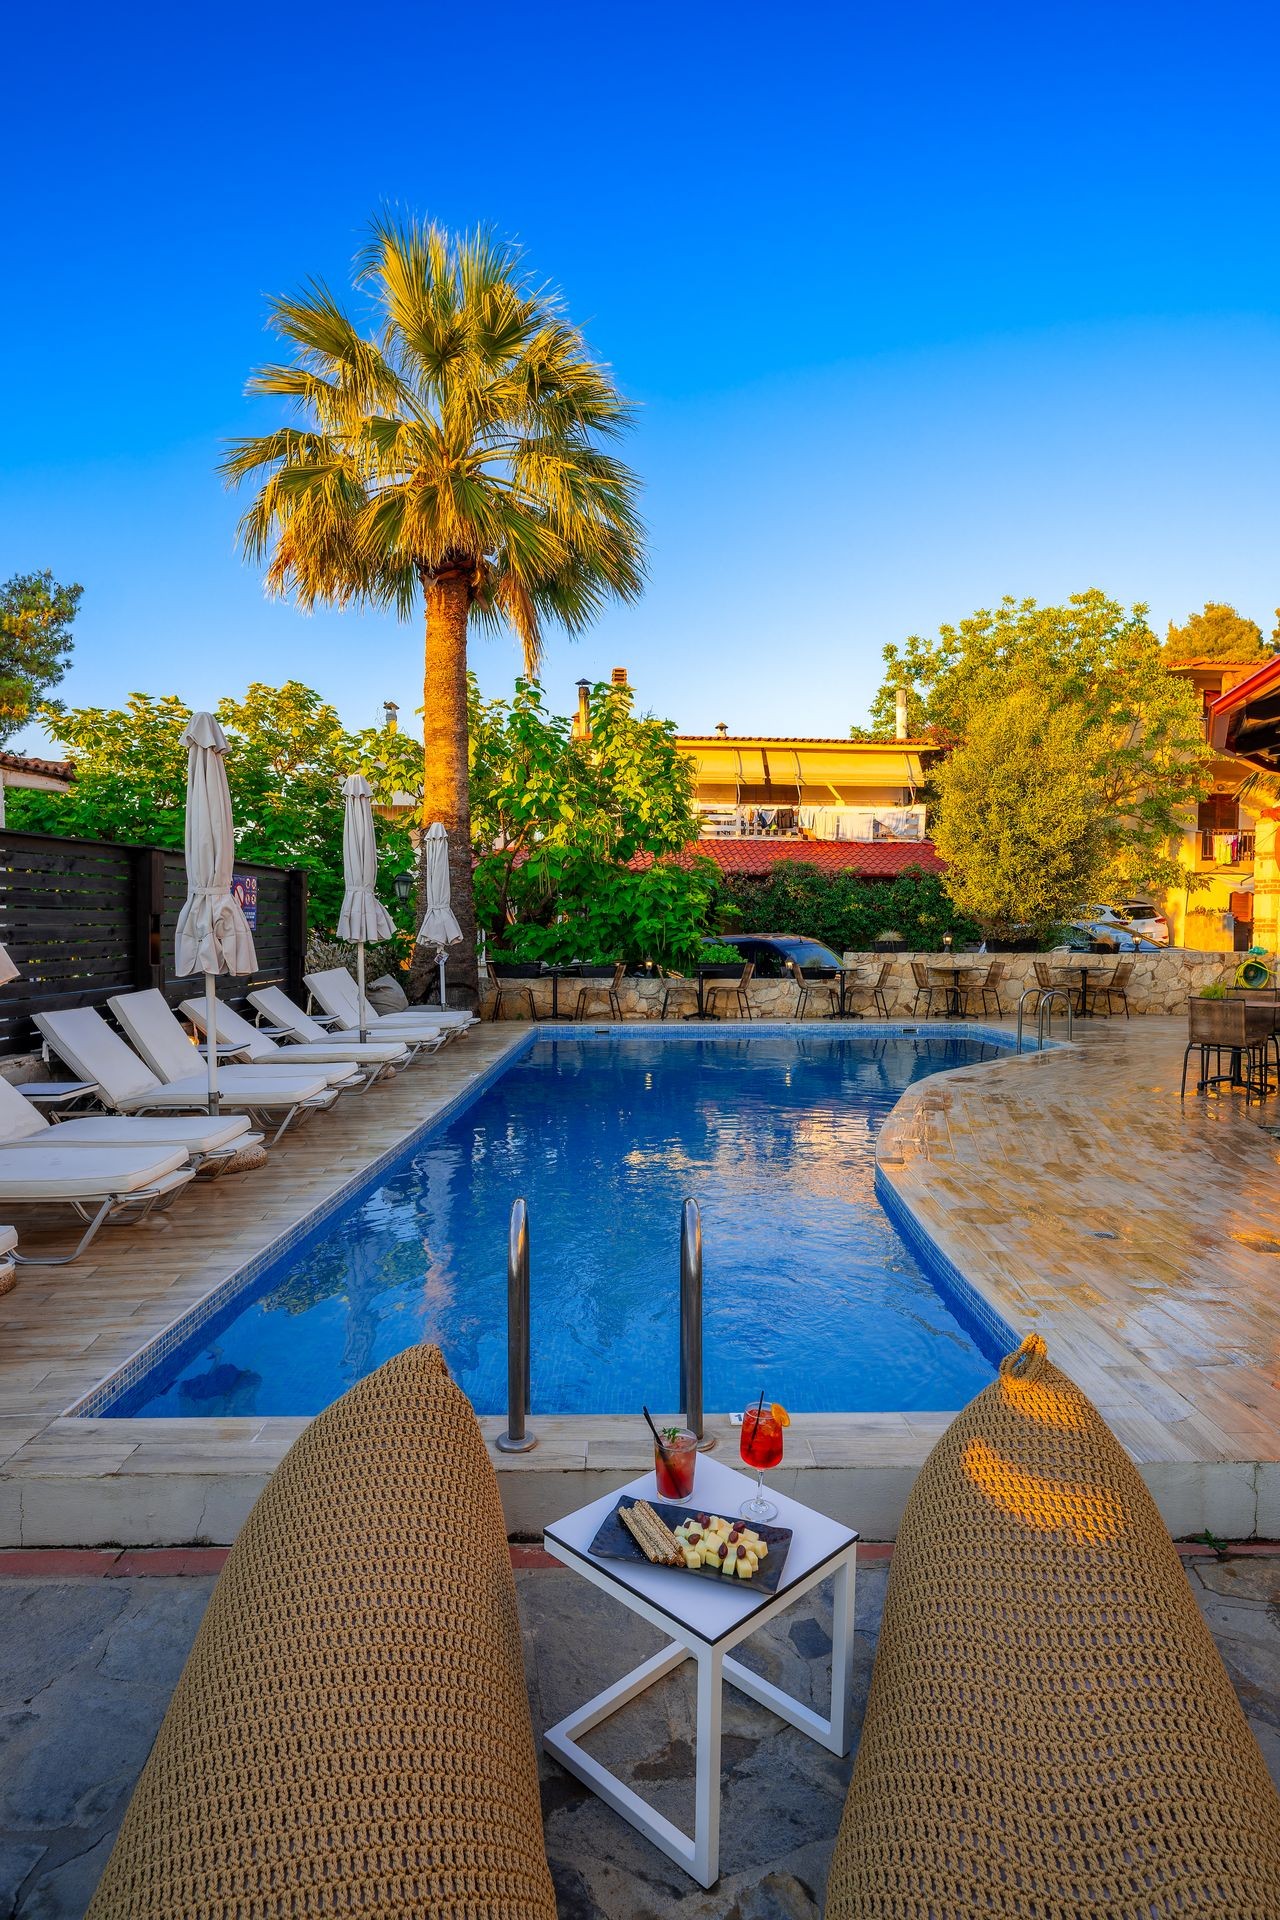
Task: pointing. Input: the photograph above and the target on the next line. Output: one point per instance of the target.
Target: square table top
(708, 1608)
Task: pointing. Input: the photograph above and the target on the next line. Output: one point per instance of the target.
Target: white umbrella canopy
(213, 936)
(439, 928)
(363, 916)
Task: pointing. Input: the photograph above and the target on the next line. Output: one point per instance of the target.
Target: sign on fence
(244, 887)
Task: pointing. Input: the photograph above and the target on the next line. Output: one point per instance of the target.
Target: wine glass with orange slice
(761, 1448)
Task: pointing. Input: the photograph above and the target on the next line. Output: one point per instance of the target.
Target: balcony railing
(1243, 849)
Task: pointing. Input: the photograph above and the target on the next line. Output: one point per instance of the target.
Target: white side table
(706, 1618)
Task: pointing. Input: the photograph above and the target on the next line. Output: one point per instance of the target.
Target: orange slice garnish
(780, 1414)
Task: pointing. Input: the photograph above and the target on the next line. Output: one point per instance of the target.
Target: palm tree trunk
(445, 793)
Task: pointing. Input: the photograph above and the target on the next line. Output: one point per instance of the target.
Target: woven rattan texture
(350, 1734)
(1050, 1731)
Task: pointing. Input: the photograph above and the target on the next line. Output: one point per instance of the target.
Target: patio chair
(336, 992)
(1115, 987)
(373, 1062)
(351, 1732)
(511, 982)
(926, 987)
(8, 1271)
(98, 1183)
(154, 1030)
(1050, 1730)
(212, 1142)
(607, 988)
(285, 1017)
(814, 980)
(94, 1053)
(738, 990)
(988, 988)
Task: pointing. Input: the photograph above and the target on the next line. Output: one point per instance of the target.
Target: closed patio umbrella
(363, 916)
(213, 936)
(8, 971)
(439, 927)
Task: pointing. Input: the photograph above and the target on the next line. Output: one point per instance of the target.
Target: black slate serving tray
(613, 1542)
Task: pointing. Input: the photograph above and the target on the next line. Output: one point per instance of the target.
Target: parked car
(1108, 936)
(771, 952)
(1142, 918)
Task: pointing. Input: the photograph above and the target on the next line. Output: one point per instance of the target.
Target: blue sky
(920, 306)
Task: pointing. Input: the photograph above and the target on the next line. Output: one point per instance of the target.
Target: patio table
(556, 975)
(706, 1618)
(1084, 964)
(843, 1010)
(957, 965)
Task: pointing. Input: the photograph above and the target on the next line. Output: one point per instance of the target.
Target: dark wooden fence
(83, 919)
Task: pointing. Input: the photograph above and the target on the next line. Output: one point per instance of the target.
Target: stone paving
(87, 1666)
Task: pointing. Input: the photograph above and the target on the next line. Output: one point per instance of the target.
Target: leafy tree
(557, 820)
(1219, 633)
(844, 910)
(1139, 727)
(289, 753)
(36, 615)
(1023, 823)
(456, 452)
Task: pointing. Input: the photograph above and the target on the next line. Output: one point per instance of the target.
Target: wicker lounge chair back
(351, 1732)
(1050, 1730)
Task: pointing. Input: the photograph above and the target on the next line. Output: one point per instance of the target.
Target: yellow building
(1244, 724)
(1218, 846)
(756, 785)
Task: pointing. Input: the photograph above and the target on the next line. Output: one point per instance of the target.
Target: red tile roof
(874, 859)
(27, 763)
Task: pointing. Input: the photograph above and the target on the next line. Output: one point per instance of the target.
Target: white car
(1141, 917)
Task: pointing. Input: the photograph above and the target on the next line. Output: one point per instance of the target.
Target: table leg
(706, 1796)
(833, 1731)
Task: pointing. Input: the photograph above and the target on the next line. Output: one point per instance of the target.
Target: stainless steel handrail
(1044, 997)
(691, 1320)
(517, 1438)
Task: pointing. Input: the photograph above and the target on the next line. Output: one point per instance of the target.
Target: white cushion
(8, 1239)
(93, 1052)
(83, 1173)
(197, 1133)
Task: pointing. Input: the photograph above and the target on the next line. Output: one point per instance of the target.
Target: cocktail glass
(674, 1462)
(761, 1448)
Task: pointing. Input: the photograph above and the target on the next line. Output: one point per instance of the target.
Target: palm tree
(457, 449)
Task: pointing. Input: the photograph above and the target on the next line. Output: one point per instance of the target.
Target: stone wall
(1161, 983)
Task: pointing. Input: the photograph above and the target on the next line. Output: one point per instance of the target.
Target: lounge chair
(156, 1032)
(274, 1004)
(1050, 1730)
(234, 1031)
(94, 1053)
(351, 1731)
(210, 1140)
(98, 1184)
(337, 993)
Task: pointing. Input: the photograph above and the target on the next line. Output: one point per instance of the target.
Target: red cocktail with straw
(761, 1448)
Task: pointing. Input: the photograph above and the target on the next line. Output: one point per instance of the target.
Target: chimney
(581, 729)
(722, 729)
(900, 729)
(619, 677)
(390, 714)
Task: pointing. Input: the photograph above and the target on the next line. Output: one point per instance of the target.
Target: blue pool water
(809, 1291)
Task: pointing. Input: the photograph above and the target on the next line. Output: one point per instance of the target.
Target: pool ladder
(519, 1437)
(1044, 1013)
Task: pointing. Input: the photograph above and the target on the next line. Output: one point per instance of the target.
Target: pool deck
(1071, 1190)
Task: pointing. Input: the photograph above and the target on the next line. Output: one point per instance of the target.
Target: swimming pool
(810, 1293)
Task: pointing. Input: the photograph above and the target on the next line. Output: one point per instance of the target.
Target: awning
(1245, 720)
(818, 771)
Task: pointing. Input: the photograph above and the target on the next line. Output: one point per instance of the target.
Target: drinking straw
(759, 1410)
(654, 1431)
